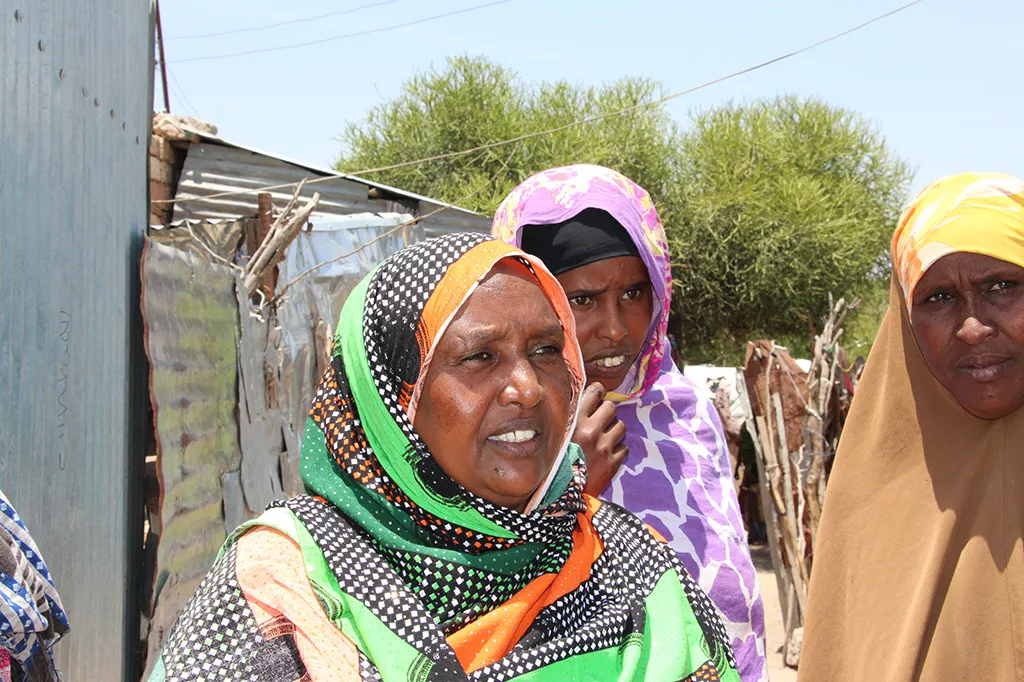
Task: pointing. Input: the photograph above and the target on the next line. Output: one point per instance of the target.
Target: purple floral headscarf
(558, 194)
(678, 476)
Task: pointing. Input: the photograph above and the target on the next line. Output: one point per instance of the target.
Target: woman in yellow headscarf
(919, 573)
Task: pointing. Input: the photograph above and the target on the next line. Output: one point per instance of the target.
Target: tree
(769, 206)
(783, 202)
(473, 102)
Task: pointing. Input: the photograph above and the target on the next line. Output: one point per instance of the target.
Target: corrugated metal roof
(74, 133)
(216, 165)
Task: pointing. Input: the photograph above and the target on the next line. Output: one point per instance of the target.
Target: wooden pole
(767, 505)
(163, 59)
(787, 478)
(261, 272)
(264, 225)
(264, 216)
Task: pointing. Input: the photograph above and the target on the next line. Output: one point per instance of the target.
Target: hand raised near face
(600, 436)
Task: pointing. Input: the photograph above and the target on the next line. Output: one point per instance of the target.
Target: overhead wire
(579, 122)
(489, 182)
(290, 22)
(310, 43)
(180, 91)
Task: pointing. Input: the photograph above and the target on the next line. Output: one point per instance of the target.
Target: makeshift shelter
(240, 294)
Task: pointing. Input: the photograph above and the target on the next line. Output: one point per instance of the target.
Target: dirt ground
(774, 633)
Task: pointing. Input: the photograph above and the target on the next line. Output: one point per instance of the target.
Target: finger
(591, 398)
(604, 415)
(617, 431)
(609, 442)
(620, 453)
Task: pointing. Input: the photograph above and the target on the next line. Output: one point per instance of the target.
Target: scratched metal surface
(74, 121)
(222, 238)
(190, 312)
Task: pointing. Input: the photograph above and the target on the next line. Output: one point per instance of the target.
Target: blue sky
(940, 80)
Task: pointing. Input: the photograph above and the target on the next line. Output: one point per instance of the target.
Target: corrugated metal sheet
(448, 221)
(191, 318)
(216, 165)
(308, 313)
(214, 168)
(260, 422)
(74, 122)
(231, 385)
(222, 238)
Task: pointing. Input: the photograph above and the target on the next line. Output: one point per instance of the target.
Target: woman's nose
(973, 331)
(523, 386)
(614, 326)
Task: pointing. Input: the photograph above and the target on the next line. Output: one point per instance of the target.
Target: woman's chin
(515, 494)
(610, 384)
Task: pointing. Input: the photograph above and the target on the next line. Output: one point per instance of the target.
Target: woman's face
(613, 303)
(495, 402)
(968, 318)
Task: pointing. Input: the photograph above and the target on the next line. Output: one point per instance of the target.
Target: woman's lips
(517, 441)
(985, 368)
(608, 365)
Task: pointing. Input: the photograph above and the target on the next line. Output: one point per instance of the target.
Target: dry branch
(284, 230)
(795, 468)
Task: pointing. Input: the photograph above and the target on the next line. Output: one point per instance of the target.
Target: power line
(579, 122)
(649, 103)
(267, 27)
(181, 92)
(371, 31)
(467, 197)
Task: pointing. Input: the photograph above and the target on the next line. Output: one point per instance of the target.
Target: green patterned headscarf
(362, 454)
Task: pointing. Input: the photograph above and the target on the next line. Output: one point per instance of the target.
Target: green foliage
(862, 327)
(784, 201)
(473, 102)
(769, 206)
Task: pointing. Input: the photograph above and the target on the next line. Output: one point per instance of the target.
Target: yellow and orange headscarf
(946, 218)
(936, 595)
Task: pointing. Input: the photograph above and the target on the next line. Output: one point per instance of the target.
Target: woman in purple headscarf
(653, 440)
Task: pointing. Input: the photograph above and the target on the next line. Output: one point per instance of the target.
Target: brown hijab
(919, 571)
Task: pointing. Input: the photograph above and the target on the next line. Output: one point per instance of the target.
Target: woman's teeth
(515, 436)
(610, 362)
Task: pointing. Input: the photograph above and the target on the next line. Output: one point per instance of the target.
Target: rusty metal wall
(191, 331)
(74, 121)
(230, 386)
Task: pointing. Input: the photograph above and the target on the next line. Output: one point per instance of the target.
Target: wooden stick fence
(794, 418)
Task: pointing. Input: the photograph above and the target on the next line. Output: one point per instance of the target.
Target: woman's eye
(548, 349)
(632, 294)
(477, 358)
(1003, 286)
(581, 300)
(938, 297)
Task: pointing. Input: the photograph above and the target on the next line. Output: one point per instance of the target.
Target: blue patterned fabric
(32, 617)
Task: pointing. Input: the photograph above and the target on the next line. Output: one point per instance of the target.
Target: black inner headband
(591, 235)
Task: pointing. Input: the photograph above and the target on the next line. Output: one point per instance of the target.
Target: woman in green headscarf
(446, 535)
